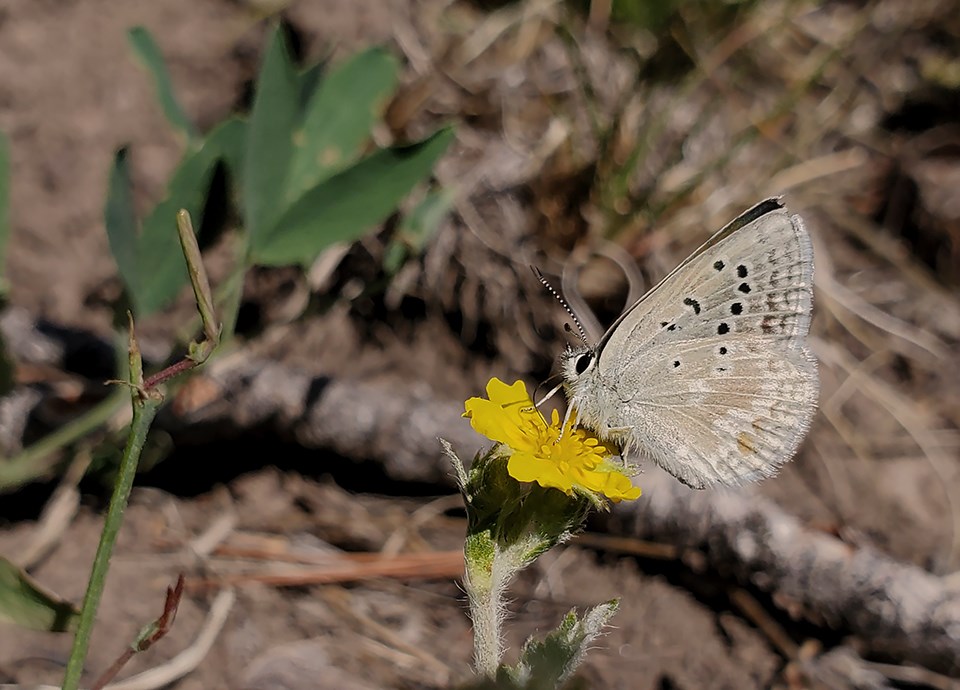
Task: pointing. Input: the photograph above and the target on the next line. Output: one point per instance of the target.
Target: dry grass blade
(752, 609)
(914, 336)
(628, 545)
(499, 23)
(914, 675)
(149, 636)
(570, 282)
(340, 599)
(425, 566)
(57, 514)
(398, 539)
(915, 423)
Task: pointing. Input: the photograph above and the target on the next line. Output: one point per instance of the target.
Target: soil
(868, 156)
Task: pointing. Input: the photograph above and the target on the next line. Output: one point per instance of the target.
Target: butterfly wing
(710, 370)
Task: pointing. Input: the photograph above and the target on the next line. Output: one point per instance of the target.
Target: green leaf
(121, 221)
(307, 82)
(24, 603)
(422, 222)
(230, 140)
(149, 53)
(339, 117)
(416, 229)
(160, 264)
(348, 204)
(269, 147)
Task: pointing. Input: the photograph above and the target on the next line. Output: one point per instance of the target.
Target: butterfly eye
(583, 361)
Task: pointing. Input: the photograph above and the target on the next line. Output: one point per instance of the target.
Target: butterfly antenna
(543, 281)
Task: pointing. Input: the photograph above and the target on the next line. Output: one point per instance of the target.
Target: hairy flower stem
(483, 582)
(486, 610)
(489, 569)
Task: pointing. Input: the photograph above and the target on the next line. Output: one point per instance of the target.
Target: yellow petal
(508, 417)
(564, 459)
(526, 467)
(514, 394)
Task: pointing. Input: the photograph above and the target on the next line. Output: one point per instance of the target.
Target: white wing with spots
(712, 418)
(708, 373)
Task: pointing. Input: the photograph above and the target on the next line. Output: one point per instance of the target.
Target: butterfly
(708, 374)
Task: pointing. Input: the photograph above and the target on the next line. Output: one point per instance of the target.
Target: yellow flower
(578, 461)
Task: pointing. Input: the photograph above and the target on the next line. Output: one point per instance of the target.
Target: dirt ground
(850, 109)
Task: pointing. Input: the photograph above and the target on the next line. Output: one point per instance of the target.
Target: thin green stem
(146, 401)
(144, 409)
(37, 460)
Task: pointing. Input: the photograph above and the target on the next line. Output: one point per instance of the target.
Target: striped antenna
(563, 303)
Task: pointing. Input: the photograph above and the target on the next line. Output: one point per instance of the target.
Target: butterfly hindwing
(718, 409)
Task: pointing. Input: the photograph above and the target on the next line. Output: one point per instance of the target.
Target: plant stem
(486, 575)
(146, 401)
(486, 610)
(35, 461)
(145, 406)
(490, 567)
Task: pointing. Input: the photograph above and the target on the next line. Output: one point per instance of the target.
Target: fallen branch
(897, 609)
(392, 424)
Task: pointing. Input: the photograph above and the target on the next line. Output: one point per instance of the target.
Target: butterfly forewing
(755, 281)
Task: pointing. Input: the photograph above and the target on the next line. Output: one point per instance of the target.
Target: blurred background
(449, 146)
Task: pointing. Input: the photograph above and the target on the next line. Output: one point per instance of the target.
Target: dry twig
(897, 609)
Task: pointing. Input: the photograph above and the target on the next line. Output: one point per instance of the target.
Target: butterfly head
(576, 363)
(580, 382)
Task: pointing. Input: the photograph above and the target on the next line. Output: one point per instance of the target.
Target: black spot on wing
(744, 288)
(690, 302)
(723, 328)
(736, 308)
(742, 271)
(718, 265)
